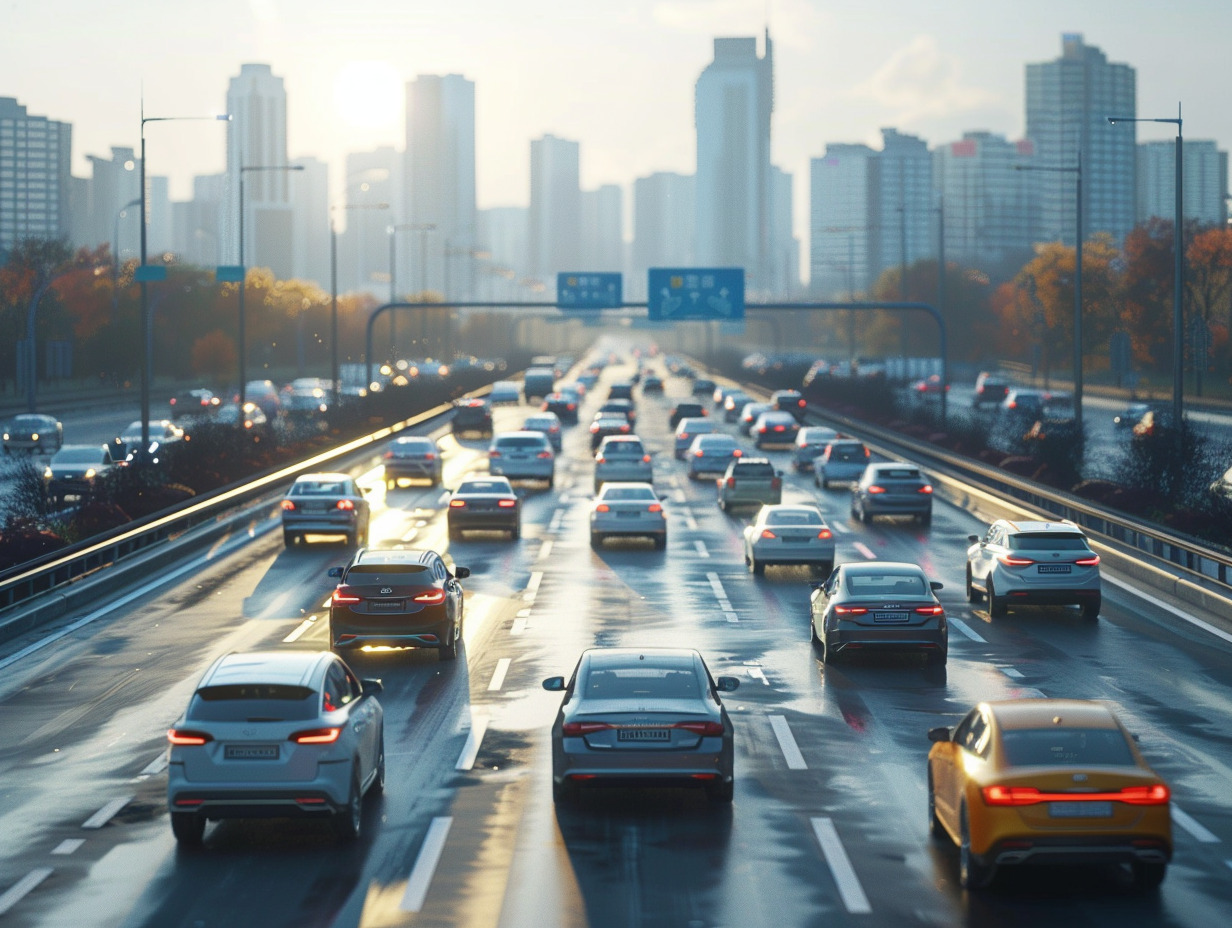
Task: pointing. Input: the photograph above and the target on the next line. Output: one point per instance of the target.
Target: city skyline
(620, 80)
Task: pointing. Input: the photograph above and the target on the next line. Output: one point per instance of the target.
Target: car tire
(996, 604)
(722, 505)
(348, 821)
(865, 516)
(1090, 609)
(288, 539)
(823, 569)
(1148, 874)
(756, 567)
(564, 793)
(925, 518)
(973, 873)
(449, 652)
(829, 656)
(660, 543)
(596, 539)
(973, 595)
(551, 482)
(936, 658)
(813, 639)
(378, 782)
(515, 533)
(188, 828)
(935, 828)
(721, 791)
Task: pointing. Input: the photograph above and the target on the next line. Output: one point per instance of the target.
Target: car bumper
(880, 506)
(426, 629)
(624, 474)
(846, 640)
(320, 524)
(765, 497)
(520, 471)
(1033, 597)
(642, 528)
(793, 554)
(494, 521)
(412, 472)
(323, 796)
(711, 764)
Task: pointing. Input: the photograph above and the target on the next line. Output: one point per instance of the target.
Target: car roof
(421, 556)
(614, 657)
(691, 422)
(1044, 713)
(291, 668)
(1023, 528)
(880, 567)
(621, 439)
(777, 414)
(519, 433)
(739, 461)
(322, 477)
(789, 507)
(502, 484)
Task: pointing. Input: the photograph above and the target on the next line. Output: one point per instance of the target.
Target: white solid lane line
(849, 888)
(701, 547)
(1196, 829)
(67, 846)
(1159, 603)
(106, 813)
(300, 630)
(1012, 673)
(731, 616)
(864, 550)
(498, 675)
(787, 743)
(967, 631)
(19, 890)
(532, 588)
(470, 750)
(425, 865)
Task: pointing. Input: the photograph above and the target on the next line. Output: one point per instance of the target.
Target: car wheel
(660, 542)
(515, 533)
(349, 819)
(721, 792)
(551, 482)
(973, 595)
(925, 518)
(1090, 609)
(449, 652)
(378, 782)
(829, 655)
(564, 793)
(756, 567)
(823, 569)
(935, 828)
(188, 828)
(595, 539)
(813, 639)
(973, 873)
(996, 604)
(1148, 874)
(935, 658)
(722, 504)
(288, 539)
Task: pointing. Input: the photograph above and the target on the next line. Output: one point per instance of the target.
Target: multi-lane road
(828, 826)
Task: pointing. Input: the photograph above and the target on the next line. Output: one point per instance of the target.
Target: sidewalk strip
(498, 675)
(849, 888)
(425, 865)
(19, 890)
(106, 813)
(787, 742)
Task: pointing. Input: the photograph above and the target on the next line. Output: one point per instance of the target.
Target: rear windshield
(898, 473)
(414, 445)
(254, 702)
(1047, 747)
(716, 441)
(886, 585)
(697, 425)
(753, 470)
(688, 409)
(619, 448)
(401, 569)
(521, 442)
(483, 486)
(79, 456)
(641, 683)
(629, 493)
(846, 452)
(801, 517)
(1048, 541)
(315, 488)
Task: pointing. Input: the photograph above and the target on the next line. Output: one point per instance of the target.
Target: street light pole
(1178, 280)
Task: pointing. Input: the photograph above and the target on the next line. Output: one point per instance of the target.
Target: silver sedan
(789, 534)
(630, 510)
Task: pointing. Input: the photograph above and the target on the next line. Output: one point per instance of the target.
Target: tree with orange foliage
(1208, 288)
(214, 356)
(1146, 310)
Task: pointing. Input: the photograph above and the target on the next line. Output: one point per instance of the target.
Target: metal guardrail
(125, 543)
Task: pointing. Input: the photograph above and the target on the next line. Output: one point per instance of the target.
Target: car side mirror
(554, 684)
(936, 585)
(461, 573)
(939, 735)
(974, 539)
(372, 687)
(337, 571)
(727, 684)
(778, 473)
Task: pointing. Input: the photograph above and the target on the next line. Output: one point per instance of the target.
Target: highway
(828, 826)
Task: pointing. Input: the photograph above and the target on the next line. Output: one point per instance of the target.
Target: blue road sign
(149, 273)
(588, 290)
(695, 293)
(229, 273)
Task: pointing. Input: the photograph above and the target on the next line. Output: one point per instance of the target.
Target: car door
(821, 601)
(369, 712)
(981, 561)
(946, 774)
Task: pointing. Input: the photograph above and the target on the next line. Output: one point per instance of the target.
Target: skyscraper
(1204, 183)
(663, 218)
(113, 183)
(257, 137)
(602, 225)
(1068, 102)
(440, 179)
(310, 208)
(555, 218)
(35, 153)
(734, 99)
(784, 280)
(840, 220)
(904, 203)
(372, 178)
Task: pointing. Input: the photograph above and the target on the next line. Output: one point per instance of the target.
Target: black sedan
(397, 598)
(487, 503)
(878, 606)
(642, 717)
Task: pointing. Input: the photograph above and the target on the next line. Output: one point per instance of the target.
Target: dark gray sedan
(642, 717)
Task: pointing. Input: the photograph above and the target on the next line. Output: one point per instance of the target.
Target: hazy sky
(617, 75)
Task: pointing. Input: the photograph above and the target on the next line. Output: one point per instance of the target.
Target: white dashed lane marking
(967, 631)
(67, 846)
(532, 588)
(498, 675)
(849, 888)
(425, 864)
(557, 517)
(19, 890)
(1012, 673)
(545, 549)
(300, 629)
(1196, 829)
(519, 626)
(154, 767)
(106, 813)
(787, 743)
(701, 548)
(864, 550)
(470, 750)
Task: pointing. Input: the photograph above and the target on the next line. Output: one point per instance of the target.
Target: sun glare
(368, 94)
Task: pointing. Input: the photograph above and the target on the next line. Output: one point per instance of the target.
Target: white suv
(1033, 563)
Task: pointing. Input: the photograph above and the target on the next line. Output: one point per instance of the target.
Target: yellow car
(1046, 781)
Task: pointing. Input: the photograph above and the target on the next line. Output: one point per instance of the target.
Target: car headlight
(46, 473)
(89, 474)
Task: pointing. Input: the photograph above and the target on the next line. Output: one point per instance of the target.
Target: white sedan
(628, 510)
(789, 533)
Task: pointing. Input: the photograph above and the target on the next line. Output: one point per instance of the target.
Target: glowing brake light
(778, 428)
(1088, 561)
(316, 736)
(432, 596)
(345, 504)
(930, 610)
(801, 403)
(701, 728)
(494, 453)
(457, 504)
(654, 507)
(825, 534)
(766, 533)
(1010, 561)
(573, 729)
(185, 737)
(288, 506)
(343, 595)
(736, 453)
(544, 454)
(850, 610)
(876, 489)
(699, 453)
(603, 507)
(645, 459)
(1156, 794)
(506, 503)
(925, 489)
(683, 435)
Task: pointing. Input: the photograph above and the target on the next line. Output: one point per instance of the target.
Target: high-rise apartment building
(841, 221)
(369, 207)
(35, 159)
(1204, 181)
(440, 180)
(1068, 102)
(502, 234)
(555, 218)
(257, 138)
(784, 280)
(905, 204)
(734, 99)
(196, 228)
(602, 244)
(310, 226)
(113, 185)
(663, 220)
(991, 213)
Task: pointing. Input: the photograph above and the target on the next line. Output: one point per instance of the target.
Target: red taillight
(866, 452)
(431, 597)
(736, 453)
(1156, 794)
(603, 507)
(573, 729)
(776, 484)
(600, 459)
(699, 454)
(544, 455)
(701, 728)
(387, 455)
(1011, 405)
(185, 736)
(624, 428)
(190, 802)
(571, 407)
(731, 483)
(825, 534)
(1088, 561)
(778, 428)
(594, 428)
(288, 506)
(494, 453)
(345, 504)
(1010, 561)
(801, 403)
(654, 507)
(457, 504)
(925, 489)
(762, 430)
(429, 456)
(850, 610)
(930, 610)
(683, 435)
(343, 595)
(645, 459)
(506, 503)
(316, 736)
(876, 489)
(766, 533)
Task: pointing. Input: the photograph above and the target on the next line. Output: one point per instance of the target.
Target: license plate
(1080, 809)
(385, 605)
(251, 752)
(795, 541)
(1054, 568)
(889, 617)
(644, 734)
(628, 515)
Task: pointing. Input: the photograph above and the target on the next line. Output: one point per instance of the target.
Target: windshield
(78, 456)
